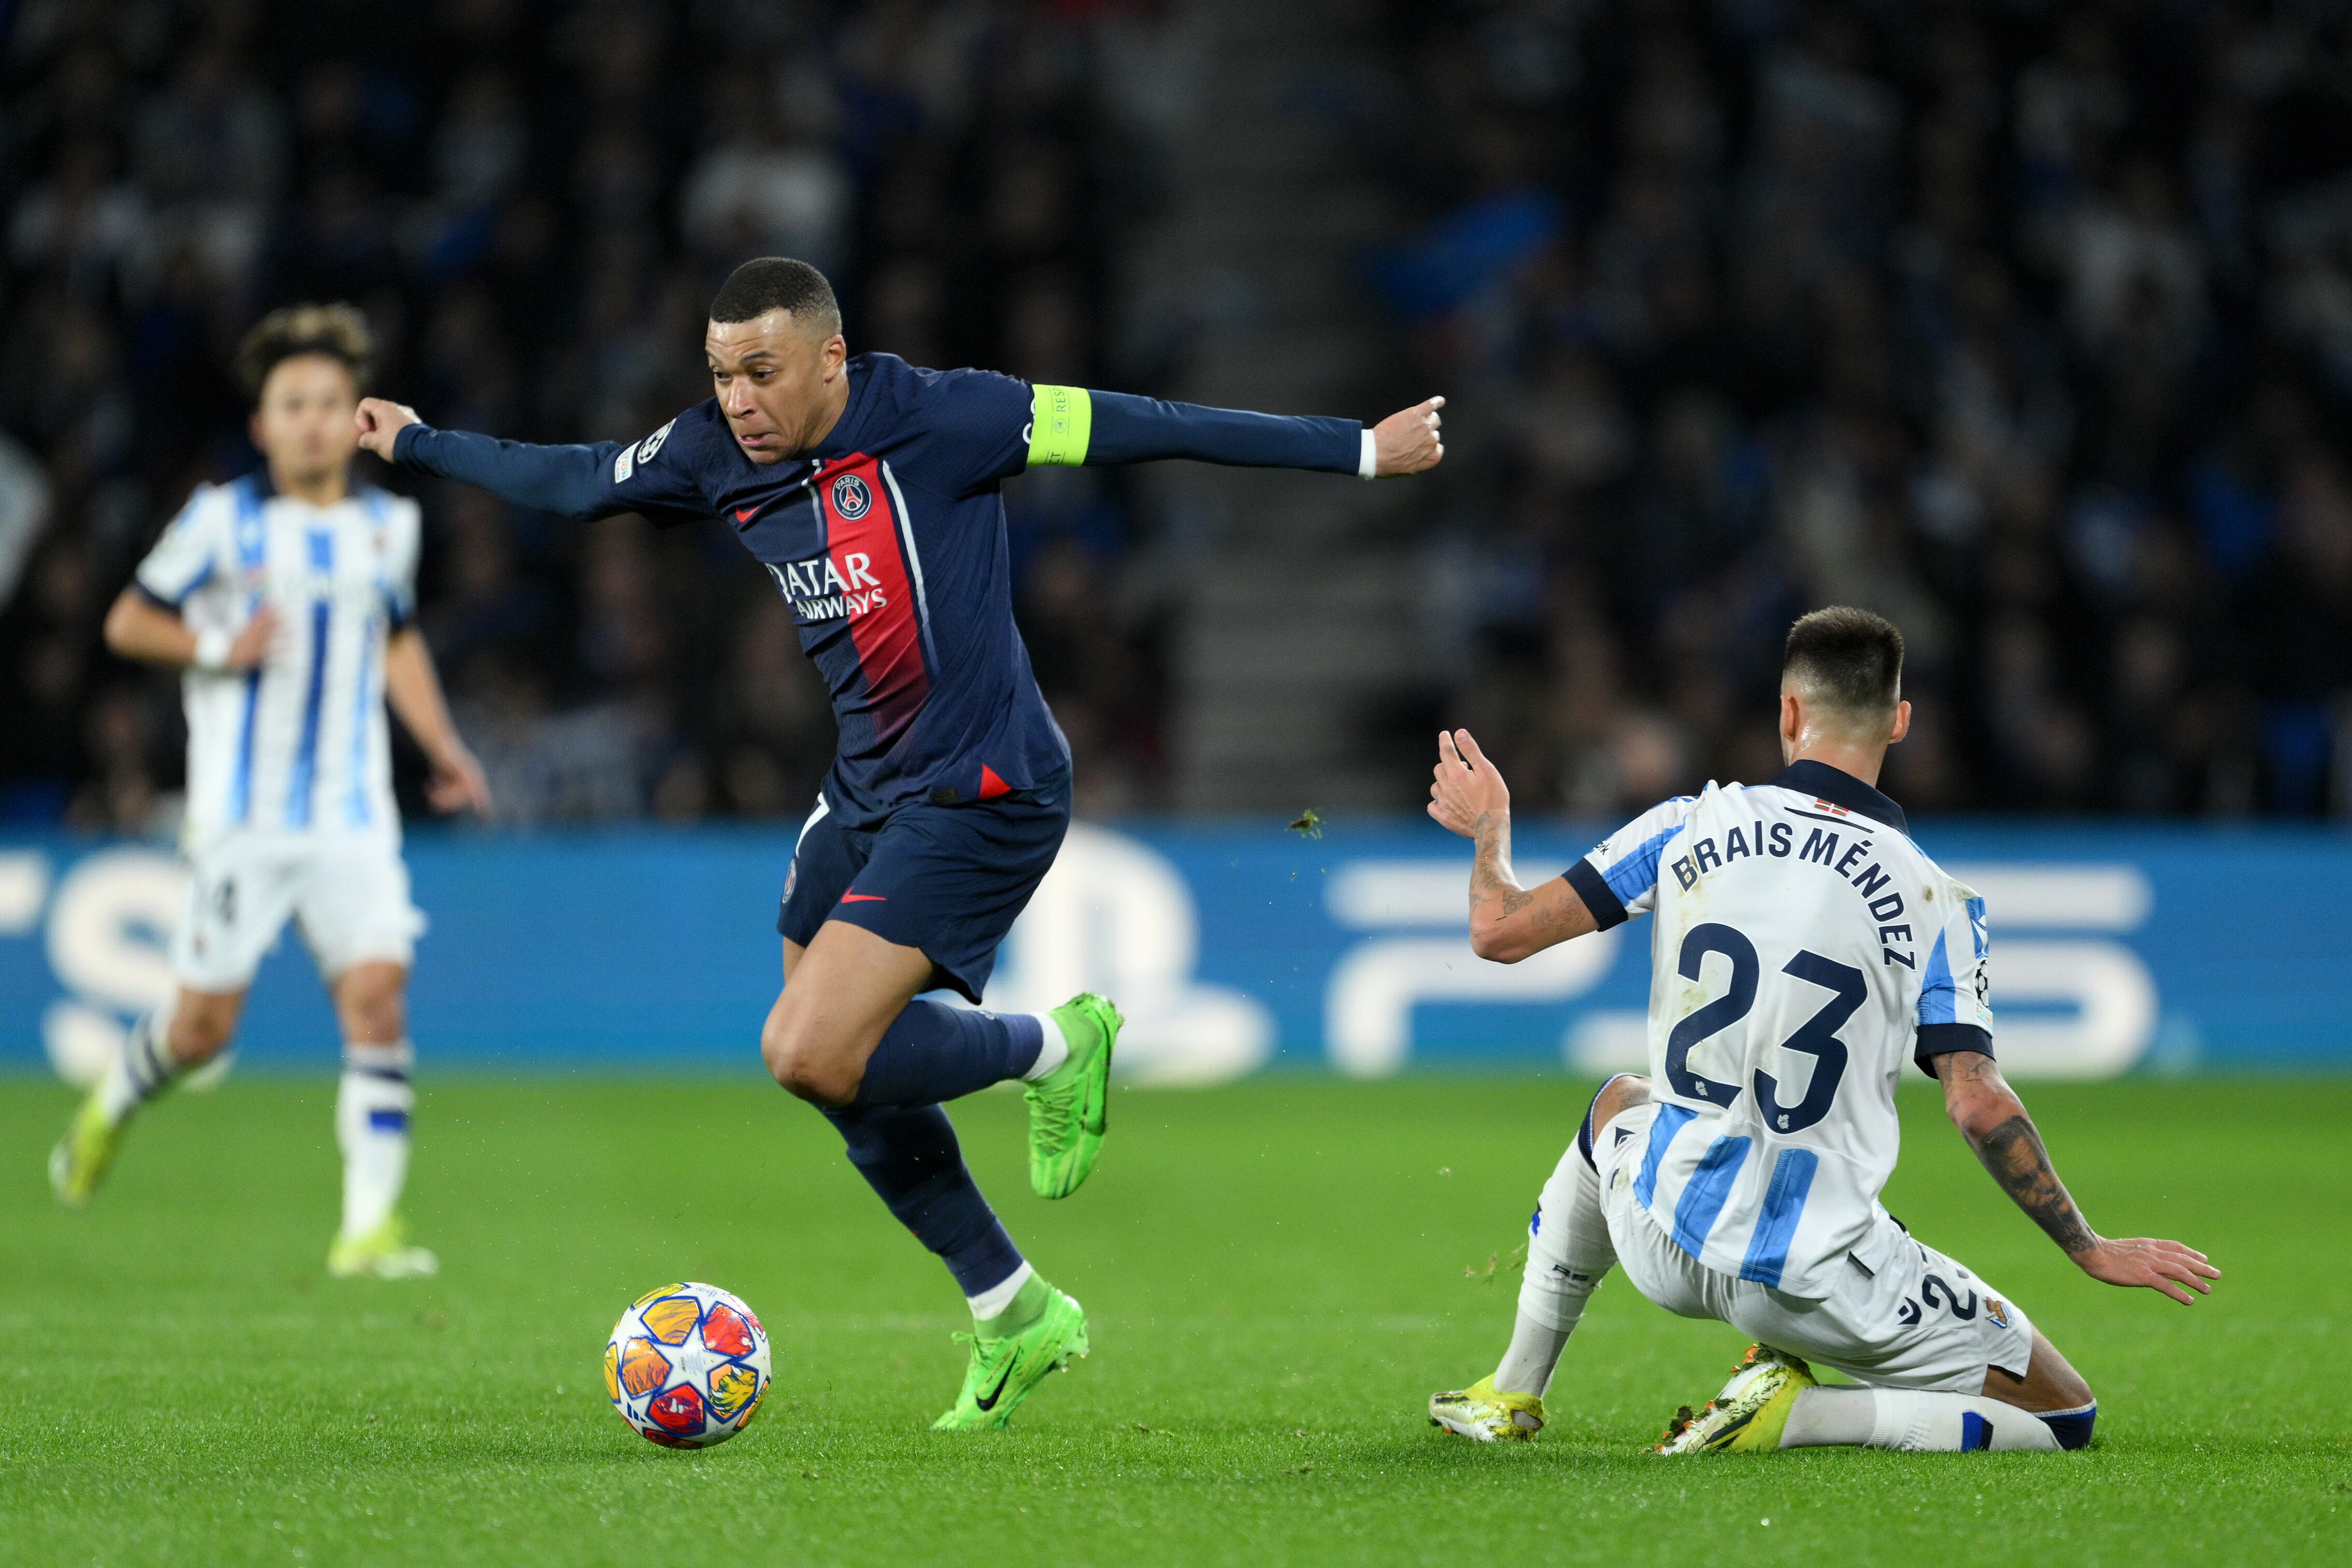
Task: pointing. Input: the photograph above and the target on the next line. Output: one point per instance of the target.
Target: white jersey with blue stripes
(1804, 950)
(300, 744)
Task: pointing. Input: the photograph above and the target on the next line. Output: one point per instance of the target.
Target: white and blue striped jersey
(301, 744)
(1804, 950)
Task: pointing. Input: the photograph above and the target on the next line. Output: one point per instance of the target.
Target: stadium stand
(533, 203)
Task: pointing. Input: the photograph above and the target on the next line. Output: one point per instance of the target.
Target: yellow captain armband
(1061, 420)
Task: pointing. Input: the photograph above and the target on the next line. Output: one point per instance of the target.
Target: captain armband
(1061, 422)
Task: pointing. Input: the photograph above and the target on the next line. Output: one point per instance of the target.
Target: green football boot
(79, 1161)
(1751, 1412)
(1068, 1108)
(1005, 1368)
(382, 1253)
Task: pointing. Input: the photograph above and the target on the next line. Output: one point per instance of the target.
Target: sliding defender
(1803, 948)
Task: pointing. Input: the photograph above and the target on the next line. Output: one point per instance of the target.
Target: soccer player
(287, 599)
(868, 490)
(1803, 948)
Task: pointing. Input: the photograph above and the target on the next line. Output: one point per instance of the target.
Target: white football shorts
(1913, 1318)
(349, 890)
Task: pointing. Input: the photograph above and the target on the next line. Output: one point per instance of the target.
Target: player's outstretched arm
(414, 689)
(1071, 425)
(568, 481)
(1992, 1118)
(1507, 921)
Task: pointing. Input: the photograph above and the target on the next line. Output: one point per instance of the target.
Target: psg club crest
(851, 497)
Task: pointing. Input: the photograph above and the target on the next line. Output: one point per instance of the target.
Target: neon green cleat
(382, 1253)
(1068, 1108)
(79, 1161)
(1480, 1412)
(1004, 1370)
(1751, 1412)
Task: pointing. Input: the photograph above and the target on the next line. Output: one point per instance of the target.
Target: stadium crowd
(533, 204)
(2028, 324)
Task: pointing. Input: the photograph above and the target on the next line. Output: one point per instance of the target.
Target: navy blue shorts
(947, 880)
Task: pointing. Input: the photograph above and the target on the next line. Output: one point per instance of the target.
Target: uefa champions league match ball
(687, 1365)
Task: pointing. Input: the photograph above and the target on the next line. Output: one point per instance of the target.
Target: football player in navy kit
(869, 491)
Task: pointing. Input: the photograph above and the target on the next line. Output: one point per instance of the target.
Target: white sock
(371, 1124)
(142, 1068)
(1054, 1051)
(991, 1302)
(1526, 1366)
(1910, 1420)
(1568, 1252)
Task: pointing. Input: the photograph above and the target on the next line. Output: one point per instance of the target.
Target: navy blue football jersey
(888, 542)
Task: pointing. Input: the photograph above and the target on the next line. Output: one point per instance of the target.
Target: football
(687, 1365)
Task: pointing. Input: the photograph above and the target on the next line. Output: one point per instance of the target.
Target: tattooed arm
(1992, 1119)
(1507, 921)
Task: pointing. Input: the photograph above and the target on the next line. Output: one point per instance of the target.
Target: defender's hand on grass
(2170, 1267)
(381, 422)
(1407, 441)
(1466, 785)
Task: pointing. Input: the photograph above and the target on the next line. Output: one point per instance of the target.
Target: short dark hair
(338, 331)
(779, 283)
(1851, 659)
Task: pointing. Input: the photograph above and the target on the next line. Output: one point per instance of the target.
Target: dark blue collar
(842, 439)
(1839, 787)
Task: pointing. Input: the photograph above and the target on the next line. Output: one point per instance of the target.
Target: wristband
(212, 650)
(1368, 463)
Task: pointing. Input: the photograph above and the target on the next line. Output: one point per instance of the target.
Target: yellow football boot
(1480, 1412)
(1751, 1412)
(382, 1253)
(79, 1161)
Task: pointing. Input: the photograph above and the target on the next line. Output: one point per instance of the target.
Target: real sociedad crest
(851, 497)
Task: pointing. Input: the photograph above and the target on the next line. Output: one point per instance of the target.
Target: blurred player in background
(286, 596)
(1804, 947)
(869, 489)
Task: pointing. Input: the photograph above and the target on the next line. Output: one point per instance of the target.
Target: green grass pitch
(1276, 1277)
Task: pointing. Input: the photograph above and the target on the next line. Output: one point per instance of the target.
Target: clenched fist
(381, 422)
(1407, 441)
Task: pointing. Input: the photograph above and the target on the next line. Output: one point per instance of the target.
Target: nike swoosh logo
(994, 1394)
(744, 514)
(865, 898)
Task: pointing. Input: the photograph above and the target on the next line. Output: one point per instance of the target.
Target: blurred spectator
(2030, 327)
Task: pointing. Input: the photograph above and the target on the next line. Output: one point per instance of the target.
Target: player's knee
(1618, 1095)
(802, 1067)
(375, 1013)
(2070, 1392)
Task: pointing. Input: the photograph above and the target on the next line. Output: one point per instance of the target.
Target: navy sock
(2071, 1428)
(908, 1154)
(932, 1052)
